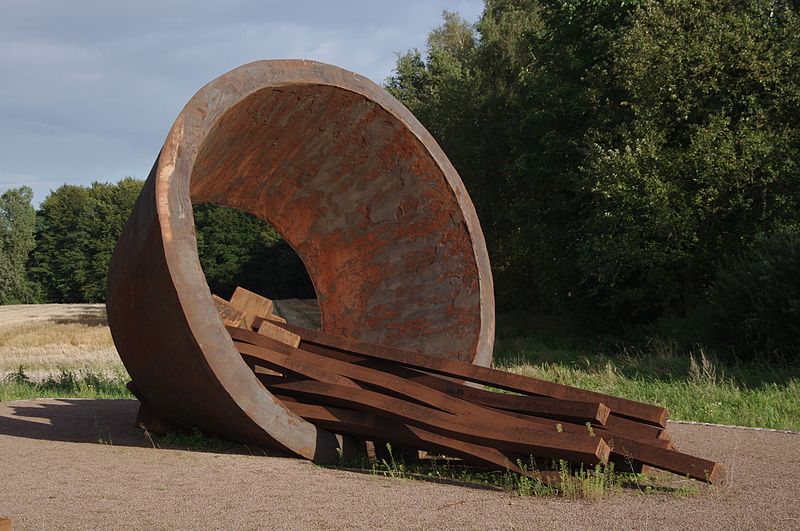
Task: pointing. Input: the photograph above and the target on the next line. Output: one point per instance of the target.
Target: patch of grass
(18, 385)
(593, 484)
(194, 440)
(692, 385)
(45, 348)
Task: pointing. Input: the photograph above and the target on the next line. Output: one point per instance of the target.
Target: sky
(90, 88)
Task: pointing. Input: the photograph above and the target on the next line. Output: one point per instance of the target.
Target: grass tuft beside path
(692, 386)
(65, 384)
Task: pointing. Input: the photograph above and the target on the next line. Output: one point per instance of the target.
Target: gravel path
(79, 464)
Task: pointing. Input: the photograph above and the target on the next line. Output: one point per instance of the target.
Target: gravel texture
(79, 464)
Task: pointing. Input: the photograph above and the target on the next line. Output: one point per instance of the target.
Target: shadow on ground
(103, 421)
(85, 315)
(73, 420)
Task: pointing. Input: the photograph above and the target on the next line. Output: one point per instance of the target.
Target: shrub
(756, 299)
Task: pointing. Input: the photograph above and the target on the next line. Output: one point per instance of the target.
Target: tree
(565, 93)
(756, 296)
(238, 249)
(78, 229)
(616, 150)
(17, 224)
(706, 164)
(108, 208)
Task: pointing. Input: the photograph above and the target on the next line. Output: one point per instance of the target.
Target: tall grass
(76, 334)
(46, 340)
(692, 385)
(65, 384)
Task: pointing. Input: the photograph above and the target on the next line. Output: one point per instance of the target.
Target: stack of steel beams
(421, 402)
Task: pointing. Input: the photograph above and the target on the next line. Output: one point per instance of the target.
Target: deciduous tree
(17, 224)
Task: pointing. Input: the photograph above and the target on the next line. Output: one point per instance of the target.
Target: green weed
(574, 483)
(692, 385)
(394, 467)
(64, 384)
(193, 440)
(594, 484)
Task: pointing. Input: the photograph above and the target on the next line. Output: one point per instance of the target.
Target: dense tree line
(628, 159)
(77, 229)
(61, 253)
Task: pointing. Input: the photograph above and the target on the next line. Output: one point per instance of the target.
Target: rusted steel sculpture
(354, 184)
(391, 242)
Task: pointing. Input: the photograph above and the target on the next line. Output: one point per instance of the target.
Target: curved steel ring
(355, 185)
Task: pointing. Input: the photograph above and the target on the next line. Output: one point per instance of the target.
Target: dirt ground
(79, 464)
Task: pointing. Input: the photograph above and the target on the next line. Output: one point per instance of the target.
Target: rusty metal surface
(355, 185)
(523, 439)
(639, 411)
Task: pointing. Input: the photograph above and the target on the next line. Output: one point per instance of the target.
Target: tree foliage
(757, 298)
(238, 249)
(708, 161)
(17, 224)
(617, 150)
(78, 228)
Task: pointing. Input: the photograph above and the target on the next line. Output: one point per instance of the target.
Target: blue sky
(90, 88)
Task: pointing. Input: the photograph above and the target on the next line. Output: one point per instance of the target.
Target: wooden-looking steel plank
(671, 460)
(268, 349)
(268, 329)
(252, 304)
(406, 386)
(230, 316)
(555, 408)
(321, 369)
(511, 382)
(585, 449)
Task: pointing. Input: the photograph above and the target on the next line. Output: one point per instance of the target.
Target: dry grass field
(47, 338)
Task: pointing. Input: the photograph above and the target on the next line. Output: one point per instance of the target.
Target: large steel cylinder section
(355, 185)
